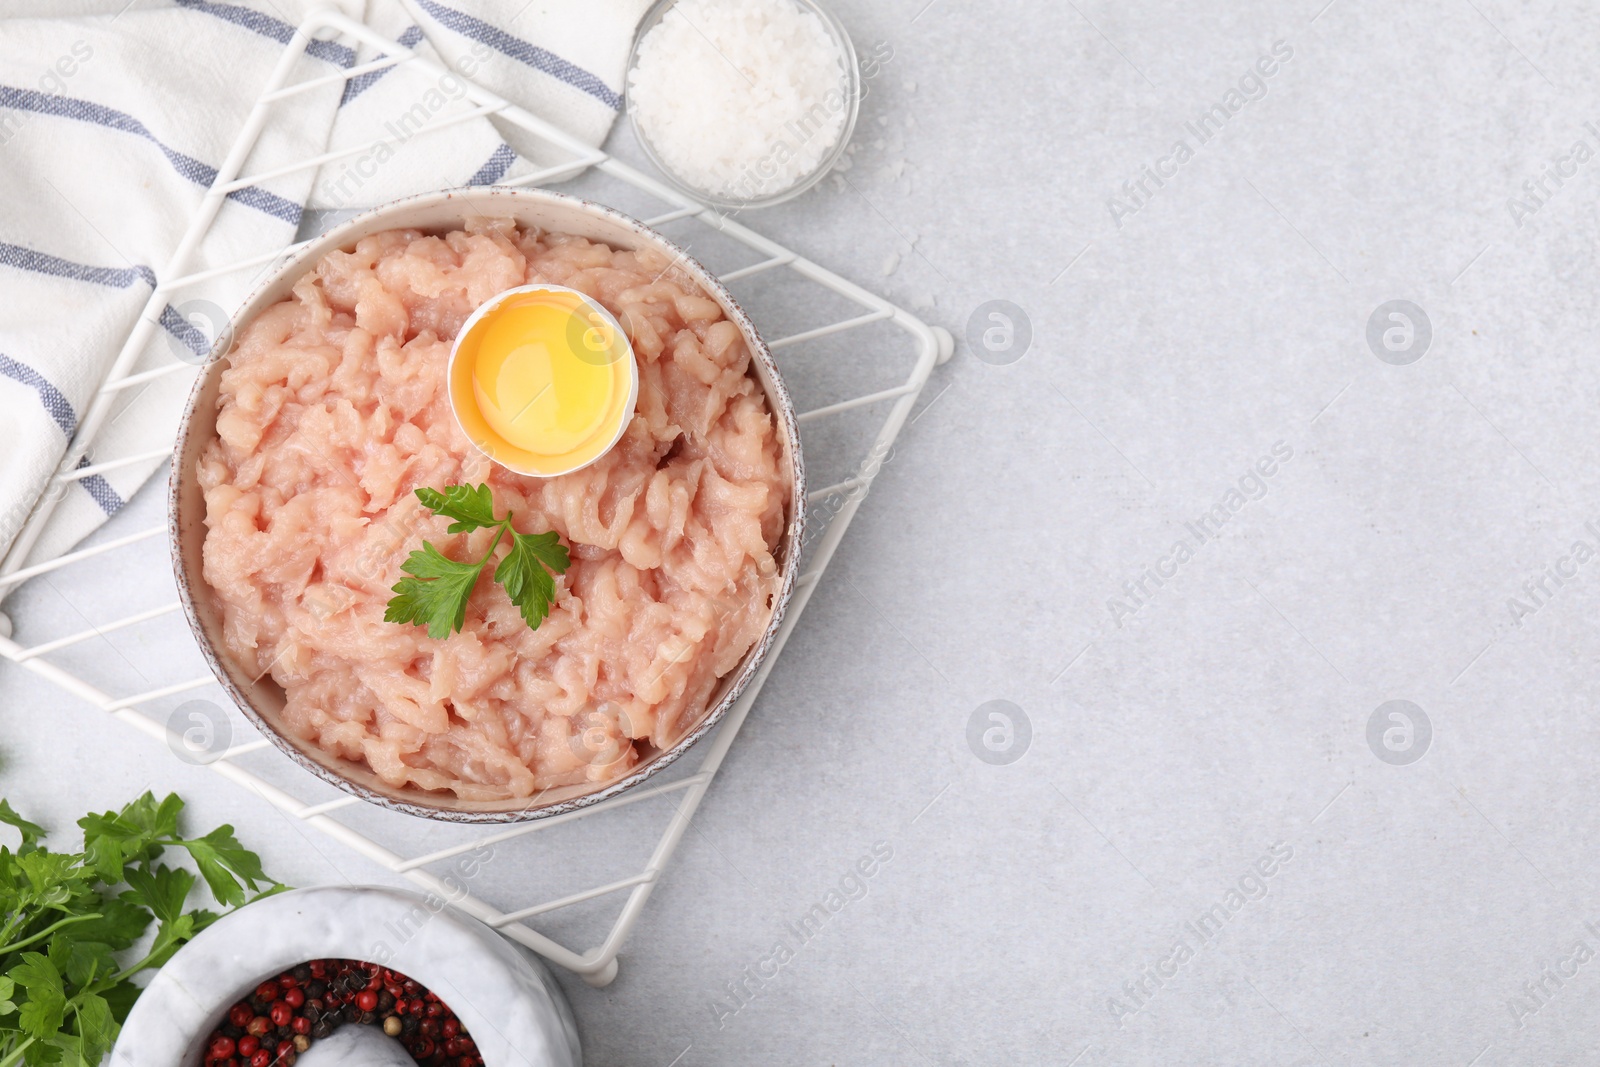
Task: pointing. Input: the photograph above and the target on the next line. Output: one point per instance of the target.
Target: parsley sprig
(436, 595)
(72, 919)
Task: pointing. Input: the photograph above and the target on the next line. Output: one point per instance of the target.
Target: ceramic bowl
(504, 997)
(262, 700)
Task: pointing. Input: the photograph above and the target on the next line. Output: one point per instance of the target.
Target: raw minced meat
(334, 409)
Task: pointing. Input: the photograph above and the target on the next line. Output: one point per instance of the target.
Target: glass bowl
(852, 105)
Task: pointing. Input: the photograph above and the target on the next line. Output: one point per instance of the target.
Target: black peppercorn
(351, 1013)
(323, 1028)
(302, 972)
(316, 990)
(369, 1017)
(385, 1003)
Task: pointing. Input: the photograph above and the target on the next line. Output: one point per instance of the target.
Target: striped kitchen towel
(114, 117)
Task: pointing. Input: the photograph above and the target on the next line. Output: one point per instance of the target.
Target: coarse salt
(741, 99)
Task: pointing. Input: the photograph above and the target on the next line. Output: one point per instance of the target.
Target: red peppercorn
(284, 1007)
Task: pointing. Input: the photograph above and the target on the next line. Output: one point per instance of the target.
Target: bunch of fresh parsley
(68, 921)
(436, 595)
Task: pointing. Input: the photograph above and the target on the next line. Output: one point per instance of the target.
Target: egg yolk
(542, 382)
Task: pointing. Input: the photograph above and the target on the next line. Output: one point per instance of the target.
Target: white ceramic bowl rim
(192, 589)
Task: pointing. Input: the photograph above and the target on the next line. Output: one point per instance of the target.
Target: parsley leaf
(437, 596)
(472, 508)
(42, 1013)
(93, 1027)
(121, 997)
(162, 890)
(437, 593)
(113, 839)
(31, 831)
(526, 573)
(66, 919)
(149, 816)
(224, 863)
(48, 876)
(81, 961)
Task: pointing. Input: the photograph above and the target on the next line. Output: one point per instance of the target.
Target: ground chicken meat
(334, 409)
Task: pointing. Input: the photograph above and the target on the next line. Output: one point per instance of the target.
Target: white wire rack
(917, 345)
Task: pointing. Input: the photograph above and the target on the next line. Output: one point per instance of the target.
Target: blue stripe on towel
(191, 168)
(101, 490)
(362, 82)
(55, 402)
(53, 399)
(267, 26)
(520, 50)
(42, 263)
(185, 332)
(496, 167)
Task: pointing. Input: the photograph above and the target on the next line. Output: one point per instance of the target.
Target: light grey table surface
(1048, 909)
